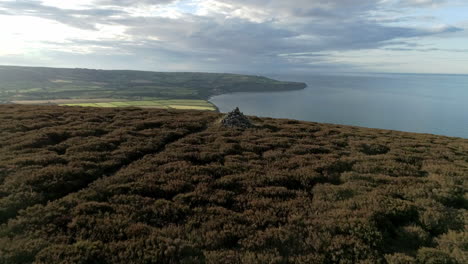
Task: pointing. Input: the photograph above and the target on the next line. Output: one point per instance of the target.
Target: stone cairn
(236, 119)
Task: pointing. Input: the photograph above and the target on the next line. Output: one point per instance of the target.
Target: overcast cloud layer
(259, 36)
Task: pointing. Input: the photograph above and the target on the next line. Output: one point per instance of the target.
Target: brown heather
(87, 185)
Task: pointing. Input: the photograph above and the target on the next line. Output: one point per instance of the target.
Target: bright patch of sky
(82, 4)
(238, 35)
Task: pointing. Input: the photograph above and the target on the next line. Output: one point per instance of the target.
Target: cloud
(422, 3)
(298, 9)
(129, 3)
(237, 34)
(82, 18)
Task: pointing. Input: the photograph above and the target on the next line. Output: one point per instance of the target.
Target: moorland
(132, 185)
(120, 88)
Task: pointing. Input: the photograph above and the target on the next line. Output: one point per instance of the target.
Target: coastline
(301, 86)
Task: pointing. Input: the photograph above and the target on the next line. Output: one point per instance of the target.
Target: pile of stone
(236, 119)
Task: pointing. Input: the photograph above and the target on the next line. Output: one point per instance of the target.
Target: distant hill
(82, 185)
(37, 83)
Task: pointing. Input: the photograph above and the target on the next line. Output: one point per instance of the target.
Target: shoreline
(270, 91)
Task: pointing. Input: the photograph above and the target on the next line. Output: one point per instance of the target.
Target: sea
(422, 103)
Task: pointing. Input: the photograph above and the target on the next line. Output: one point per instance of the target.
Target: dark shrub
(82, 252)
(434, 256)
(373, 149)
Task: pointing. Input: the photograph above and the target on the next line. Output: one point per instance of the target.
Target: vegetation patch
(374, 149)
(133, 185)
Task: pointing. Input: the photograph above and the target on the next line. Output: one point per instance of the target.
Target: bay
(423, 103)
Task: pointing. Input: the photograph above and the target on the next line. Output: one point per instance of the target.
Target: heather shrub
(373, 149)
(434, 256)
(81, 252)
(399, 258)
(20, 250)
(455, 244)
(157, 186)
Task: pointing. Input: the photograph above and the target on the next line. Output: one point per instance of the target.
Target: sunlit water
(436, 104)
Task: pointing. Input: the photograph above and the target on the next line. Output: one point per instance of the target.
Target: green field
(47, 85)
(158, 103)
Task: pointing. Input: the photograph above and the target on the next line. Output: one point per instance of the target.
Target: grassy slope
(30, 83)
(155, 186)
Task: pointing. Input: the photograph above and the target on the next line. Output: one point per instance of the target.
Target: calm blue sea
(423, 103)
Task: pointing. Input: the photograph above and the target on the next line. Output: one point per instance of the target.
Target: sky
(247, 36)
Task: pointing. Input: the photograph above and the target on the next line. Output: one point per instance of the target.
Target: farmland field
(158, 103)
(30, 85)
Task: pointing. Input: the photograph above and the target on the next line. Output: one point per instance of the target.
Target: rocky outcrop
(236, 119)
